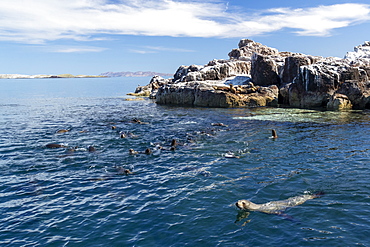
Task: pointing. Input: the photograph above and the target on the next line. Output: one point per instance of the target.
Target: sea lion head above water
(173, 143)
(54, 145)
(62, 131)
(274, 134)
(246, 205)
(131, 151)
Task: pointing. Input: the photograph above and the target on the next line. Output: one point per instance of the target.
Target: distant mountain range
(133, 74)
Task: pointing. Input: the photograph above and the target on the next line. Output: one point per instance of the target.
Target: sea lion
(138, 121)
(219, 124)
(231, 155)
(276, 207)
(274, 135)
(173, 143)
(222, 88)
(62, 131)
(123, 171)
(54, 145)
(91, 149)
(114, 127)
(232, 89)
(131, 151)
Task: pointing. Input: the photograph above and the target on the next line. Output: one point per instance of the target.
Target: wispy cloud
(75, 49)
(157, 49)
(39, 21)
(142, 51)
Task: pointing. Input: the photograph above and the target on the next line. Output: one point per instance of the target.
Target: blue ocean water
(185, 197)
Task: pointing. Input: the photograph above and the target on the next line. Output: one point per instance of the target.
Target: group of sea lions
(238, 89)
(272, 207)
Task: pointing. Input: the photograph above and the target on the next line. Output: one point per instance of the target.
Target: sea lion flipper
(287, 217)
(318, 194)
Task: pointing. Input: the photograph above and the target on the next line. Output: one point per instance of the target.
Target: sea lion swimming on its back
(275, 207)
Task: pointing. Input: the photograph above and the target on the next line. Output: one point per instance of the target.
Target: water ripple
(72, 197)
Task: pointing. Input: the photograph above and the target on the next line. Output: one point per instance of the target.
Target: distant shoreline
(19, 76)
(135, 74)
(102, 75)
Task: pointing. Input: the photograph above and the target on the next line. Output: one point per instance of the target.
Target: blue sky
(96, 36)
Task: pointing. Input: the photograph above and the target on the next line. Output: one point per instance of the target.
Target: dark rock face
(264, 71)
(270, 77)
(206, 94)
(291, 67)
(357, 92)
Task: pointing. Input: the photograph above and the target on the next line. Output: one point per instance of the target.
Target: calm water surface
(186, 197)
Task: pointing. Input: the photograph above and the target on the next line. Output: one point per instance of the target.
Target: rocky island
(257, 75)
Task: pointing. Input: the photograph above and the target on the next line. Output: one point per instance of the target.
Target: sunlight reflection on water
(184, 197)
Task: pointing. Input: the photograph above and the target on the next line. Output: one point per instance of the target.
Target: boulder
(357, 92)
(264, 71)
(248, 47)
(339, 102)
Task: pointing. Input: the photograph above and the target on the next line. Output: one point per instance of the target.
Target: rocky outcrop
(214, 70)
(151, 89)
(210, 94)
(257, 75)
(248, 47)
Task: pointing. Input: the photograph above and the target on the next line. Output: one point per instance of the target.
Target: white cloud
(141, 51)
(156, 49)
(75, 49)
(38, 21)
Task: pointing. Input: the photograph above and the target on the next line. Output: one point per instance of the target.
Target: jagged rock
(151, 89)
(248, 47)
(214, 70)
(339, 102)
(264, 71)
(360, 55)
